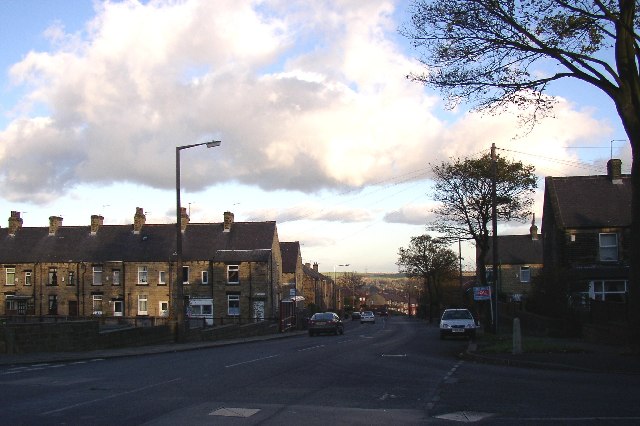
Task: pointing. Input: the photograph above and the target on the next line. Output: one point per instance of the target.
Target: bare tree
(492, 52)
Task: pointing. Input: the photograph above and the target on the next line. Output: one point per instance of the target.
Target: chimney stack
(138, 220)
(55, 222)
(96, 223)
(184, 219)
(533, 230)
(228, 221)
(614, 170)
(315, 266)
(15, 223)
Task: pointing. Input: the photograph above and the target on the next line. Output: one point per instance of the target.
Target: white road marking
(311, 348)
(250, 361)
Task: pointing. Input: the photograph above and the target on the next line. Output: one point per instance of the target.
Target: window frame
(52, 276)
(9, 273)
(28, 276)
(143, 275)
(603, 248)
(235, 311)
(71, 278)
(525, 270)
(162, 277)
(204, 277)
(97, 272)
(143, 302)
(185, 274)
(97, 300)
(233, 269)
(115, 277)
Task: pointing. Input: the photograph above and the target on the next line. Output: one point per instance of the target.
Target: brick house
(519, 262)
(587, 234)
(230, 269)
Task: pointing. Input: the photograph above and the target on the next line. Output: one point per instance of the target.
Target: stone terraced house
(231, 270)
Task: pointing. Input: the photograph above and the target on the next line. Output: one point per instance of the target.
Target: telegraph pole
(494, 225)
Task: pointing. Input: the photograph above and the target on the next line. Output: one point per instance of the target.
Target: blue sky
(320, 129)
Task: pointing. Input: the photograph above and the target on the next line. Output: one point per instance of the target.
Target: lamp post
(178, 314)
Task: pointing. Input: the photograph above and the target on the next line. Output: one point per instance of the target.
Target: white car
(367, 316)
(457, 322)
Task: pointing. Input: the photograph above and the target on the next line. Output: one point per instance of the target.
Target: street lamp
(335, 281)
(178, 299)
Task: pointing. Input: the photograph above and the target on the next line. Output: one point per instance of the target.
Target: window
(53, 276)
(233, 274)
(27, 278)
(142, 304)
(72, 278)
(11, 276)
(185, 275)
(116, 277)
(164, 309)
(97, 275)
(608, 247)
(613, 290)
(205, 277)
(97, 304)
(525, 274)
(53, 304)
(233, 305)
(142, 275)
(162, 278)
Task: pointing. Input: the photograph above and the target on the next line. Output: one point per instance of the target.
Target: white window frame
(27, 278)
(599, 289)
(163, 308)
(10, 276)
(115, 277)
(204, 276)
(162, 278)
(71, 278)
(52, 272)
(606, 247)
(143, 275)
(525, 274)
(96, 301)
(143, 304)
(97, 275)
(233, 299)
(233, 269)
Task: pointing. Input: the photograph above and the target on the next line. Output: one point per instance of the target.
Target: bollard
(517, 337)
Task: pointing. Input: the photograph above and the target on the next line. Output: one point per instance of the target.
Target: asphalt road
(388, 373)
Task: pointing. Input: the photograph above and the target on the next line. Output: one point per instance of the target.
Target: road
(391, 372)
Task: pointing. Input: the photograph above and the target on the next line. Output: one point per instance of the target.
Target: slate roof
(313, 274)
(155, 243)
(289, 252)
(589, 201)
(517, 250)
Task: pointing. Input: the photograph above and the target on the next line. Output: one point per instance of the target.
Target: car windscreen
(322, 317)
(453, 315)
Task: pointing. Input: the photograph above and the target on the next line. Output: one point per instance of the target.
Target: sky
(321, 130)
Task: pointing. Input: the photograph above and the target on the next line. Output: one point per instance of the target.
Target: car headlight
(444, 325)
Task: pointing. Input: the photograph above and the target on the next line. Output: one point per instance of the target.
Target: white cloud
(305, 96)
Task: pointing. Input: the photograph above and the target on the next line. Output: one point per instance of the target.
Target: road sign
(481, 293)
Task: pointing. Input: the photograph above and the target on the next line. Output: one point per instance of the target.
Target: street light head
(213, 144)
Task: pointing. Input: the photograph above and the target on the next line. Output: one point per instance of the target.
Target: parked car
(367, 316)
(355, 315)
(325, 322)
(457, 322)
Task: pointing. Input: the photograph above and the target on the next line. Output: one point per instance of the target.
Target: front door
(73, 308)
(258, 310)
(118, 308)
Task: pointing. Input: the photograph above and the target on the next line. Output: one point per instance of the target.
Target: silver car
(457, 322)
(367, 316)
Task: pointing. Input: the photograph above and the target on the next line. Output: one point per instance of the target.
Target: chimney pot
(96, 223)
(228, 221)
(184, 219)
(55, 222)
(614, 170)
(139, 220)
(15, 223)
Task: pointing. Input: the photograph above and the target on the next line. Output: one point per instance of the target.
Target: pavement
(579, 356)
